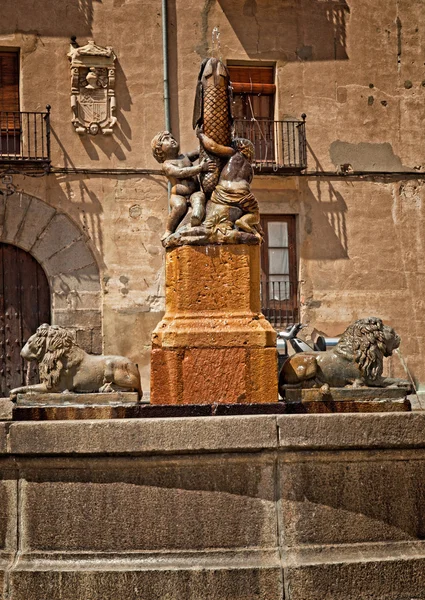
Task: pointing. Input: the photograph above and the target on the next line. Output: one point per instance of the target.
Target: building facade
(341, 192)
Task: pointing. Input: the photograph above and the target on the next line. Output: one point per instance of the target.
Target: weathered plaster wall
(360, 250)
(355, 69)
(133, 30)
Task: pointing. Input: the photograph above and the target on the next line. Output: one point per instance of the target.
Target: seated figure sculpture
(64, 366)
(357, 360)
(181, 173)
(233, 188)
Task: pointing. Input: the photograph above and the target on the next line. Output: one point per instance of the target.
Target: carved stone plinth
(69, 406)
(346, 400)
(213, 344)
(72, 399)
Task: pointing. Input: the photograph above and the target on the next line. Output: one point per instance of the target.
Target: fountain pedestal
(213, 344)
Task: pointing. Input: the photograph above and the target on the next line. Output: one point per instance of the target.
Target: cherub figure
(233, 189)
(182, 174)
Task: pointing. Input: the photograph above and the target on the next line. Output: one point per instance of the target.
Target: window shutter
(9, 81)
(252, 80)
(9, 92)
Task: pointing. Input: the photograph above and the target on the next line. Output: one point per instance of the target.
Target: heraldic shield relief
(93, 88)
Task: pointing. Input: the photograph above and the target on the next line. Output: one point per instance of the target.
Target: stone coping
(214, 434)
(72, 399)
(228, 558)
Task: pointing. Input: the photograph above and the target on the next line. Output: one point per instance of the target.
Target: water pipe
(166, 82)
(165, 61)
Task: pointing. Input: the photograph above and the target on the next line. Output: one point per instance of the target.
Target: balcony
(279, 302)
(25, 141)
(280, 146)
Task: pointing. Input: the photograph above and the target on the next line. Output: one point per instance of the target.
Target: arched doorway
(24, 305)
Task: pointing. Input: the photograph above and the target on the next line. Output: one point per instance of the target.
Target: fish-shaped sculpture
(213, 111)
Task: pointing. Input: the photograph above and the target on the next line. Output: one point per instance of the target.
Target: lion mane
(364, 342)
(61, 350)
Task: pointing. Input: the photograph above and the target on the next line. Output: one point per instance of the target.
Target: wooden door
(24, 305)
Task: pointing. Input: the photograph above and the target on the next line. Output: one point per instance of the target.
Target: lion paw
(106, 388)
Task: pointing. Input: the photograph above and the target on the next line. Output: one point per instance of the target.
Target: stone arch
(62, 249)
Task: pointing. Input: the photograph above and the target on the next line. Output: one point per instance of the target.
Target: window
(253, 92)
(279, 285)
(9, 103)
(253, 107)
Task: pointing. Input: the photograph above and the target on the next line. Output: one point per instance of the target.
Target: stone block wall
(307, 507)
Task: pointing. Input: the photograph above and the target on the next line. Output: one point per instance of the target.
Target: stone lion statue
(357, 360)
(64, 366)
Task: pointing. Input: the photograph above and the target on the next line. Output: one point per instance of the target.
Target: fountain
(213, 345)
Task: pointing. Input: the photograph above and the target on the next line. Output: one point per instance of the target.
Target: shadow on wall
(292, 30)
(90, 207)
(47, 18)
(325, 229)
(347, 504)
(367, 157)
(325, 219)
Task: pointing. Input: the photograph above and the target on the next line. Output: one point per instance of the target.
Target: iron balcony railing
(280, 303)
(25, 138)
(279, 145)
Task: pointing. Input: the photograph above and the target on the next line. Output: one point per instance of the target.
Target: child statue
(182, 174)
(233, 190)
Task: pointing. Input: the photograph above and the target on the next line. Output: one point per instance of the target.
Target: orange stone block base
(213, 376)
(213, 344)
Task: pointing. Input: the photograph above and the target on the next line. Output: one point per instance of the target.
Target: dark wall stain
(313, 303)
(399, 41)
(305, 52)
(366, 157)
(250, 8)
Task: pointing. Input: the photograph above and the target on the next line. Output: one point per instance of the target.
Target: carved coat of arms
(93, 88)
